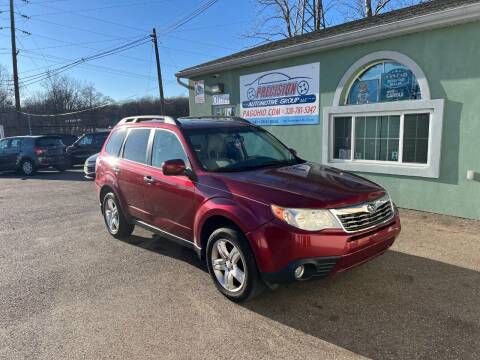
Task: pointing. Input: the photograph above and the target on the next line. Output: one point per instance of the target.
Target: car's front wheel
(117, 224)
(232, 266)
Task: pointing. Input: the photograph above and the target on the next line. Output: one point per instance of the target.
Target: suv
(86, 146)
(26, 154)
(254, 211)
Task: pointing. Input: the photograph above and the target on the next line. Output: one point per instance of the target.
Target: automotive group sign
(287, 96)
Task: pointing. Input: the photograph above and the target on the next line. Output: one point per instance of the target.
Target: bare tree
(355, 9)
(62, 94)
(5, 93)
(279, 19)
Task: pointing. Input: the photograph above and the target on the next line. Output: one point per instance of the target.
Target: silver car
(90, 166)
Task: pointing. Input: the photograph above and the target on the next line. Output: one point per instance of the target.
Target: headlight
(306, 219)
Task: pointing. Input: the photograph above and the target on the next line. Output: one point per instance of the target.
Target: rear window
(136, 145)
(115, 142)
(49, 141)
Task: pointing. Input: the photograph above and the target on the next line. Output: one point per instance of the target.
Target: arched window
(383, 119)
(383, 81)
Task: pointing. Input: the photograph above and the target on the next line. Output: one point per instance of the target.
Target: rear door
(131, 170)
(170, 199)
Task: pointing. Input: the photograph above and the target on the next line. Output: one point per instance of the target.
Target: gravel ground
(70, 291)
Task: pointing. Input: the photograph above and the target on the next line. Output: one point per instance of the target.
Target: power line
(42, 76)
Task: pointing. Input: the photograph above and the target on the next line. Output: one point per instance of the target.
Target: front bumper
(89, 171)
(279, 249)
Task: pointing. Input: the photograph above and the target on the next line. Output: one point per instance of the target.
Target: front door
(131, 170)
(170, 198)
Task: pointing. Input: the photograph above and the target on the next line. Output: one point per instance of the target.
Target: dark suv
(26, 154)
(247, 204)
(86, 146)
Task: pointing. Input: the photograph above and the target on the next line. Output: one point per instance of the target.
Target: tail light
(38, 151)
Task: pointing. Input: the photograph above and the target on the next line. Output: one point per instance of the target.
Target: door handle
(148, 179)
(116, 170)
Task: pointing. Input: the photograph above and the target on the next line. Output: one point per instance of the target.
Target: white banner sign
(199, 88)
(221, 99)
(288, 96)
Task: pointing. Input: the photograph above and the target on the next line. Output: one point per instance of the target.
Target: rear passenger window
(166, 146)
(49, 141)
(115, 142)
(136, 145)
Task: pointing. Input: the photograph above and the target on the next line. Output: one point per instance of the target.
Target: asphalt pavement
(70, 291)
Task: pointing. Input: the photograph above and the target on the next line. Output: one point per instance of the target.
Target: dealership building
(394, 98)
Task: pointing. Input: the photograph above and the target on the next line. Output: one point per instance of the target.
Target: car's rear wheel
(27, 167)
(232, 266)
(117, 224)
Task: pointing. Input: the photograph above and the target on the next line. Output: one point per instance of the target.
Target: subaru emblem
(372, 207)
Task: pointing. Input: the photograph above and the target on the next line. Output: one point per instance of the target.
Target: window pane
(342, 138)
(115, 142)
(166, 146)
(380, 138)
(415, 138)
(136, 145)
(384, 82)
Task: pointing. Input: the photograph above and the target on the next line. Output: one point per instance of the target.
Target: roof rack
(142, 118)
(213, 117)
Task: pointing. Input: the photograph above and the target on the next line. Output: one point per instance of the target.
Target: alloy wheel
(228, 265)
(27, 168)
(112, 216)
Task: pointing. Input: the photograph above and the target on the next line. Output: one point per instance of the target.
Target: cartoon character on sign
(363, 94)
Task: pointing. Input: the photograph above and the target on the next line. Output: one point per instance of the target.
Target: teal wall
(450, 59)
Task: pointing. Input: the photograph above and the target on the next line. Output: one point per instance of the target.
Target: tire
(117, 224)
(27, 167)
(228, 250)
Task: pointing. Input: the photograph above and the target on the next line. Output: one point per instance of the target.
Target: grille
(365, 216)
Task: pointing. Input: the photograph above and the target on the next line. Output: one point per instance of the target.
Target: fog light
(299, 271)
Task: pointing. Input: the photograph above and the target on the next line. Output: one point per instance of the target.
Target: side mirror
(174, 167)
(293, 151)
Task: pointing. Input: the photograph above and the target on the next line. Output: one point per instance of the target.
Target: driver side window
(166, 146)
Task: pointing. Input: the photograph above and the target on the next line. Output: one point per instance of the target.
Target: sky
(64, 30)
(58, 31)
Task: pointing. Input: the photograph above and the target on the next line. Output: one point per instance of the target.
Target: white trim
(438, 19)
(430, 170)
(367, 60)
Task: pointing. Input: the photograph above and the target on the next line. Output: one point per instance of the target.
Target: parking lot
(70, 291)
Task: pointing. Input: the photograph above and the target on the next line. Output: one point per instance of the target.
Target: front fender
(242, 216)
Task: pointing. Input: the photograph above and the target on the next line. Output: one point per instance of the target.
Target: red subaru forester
(247, 204)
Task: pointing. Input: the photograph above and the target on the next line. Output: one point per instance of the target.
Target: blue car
(27, 154)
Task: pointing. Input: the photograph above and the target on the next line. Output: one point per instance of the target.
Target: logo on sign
(277, 84)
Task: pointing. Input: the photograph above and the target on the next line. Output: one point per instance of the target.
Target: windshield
(237, 149)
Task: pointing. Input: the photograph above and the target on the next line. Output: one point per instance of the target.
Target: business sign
(199, 89)
(364, 92)
(396, 85)
(221, 99)
(288, 96)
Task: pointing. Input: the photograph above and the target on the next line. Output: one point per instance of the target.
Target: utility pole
(15, 69)
(159, 72)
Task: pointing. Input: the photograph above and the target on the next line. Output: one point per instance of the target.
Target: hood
(92, 158)
(307, 185)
